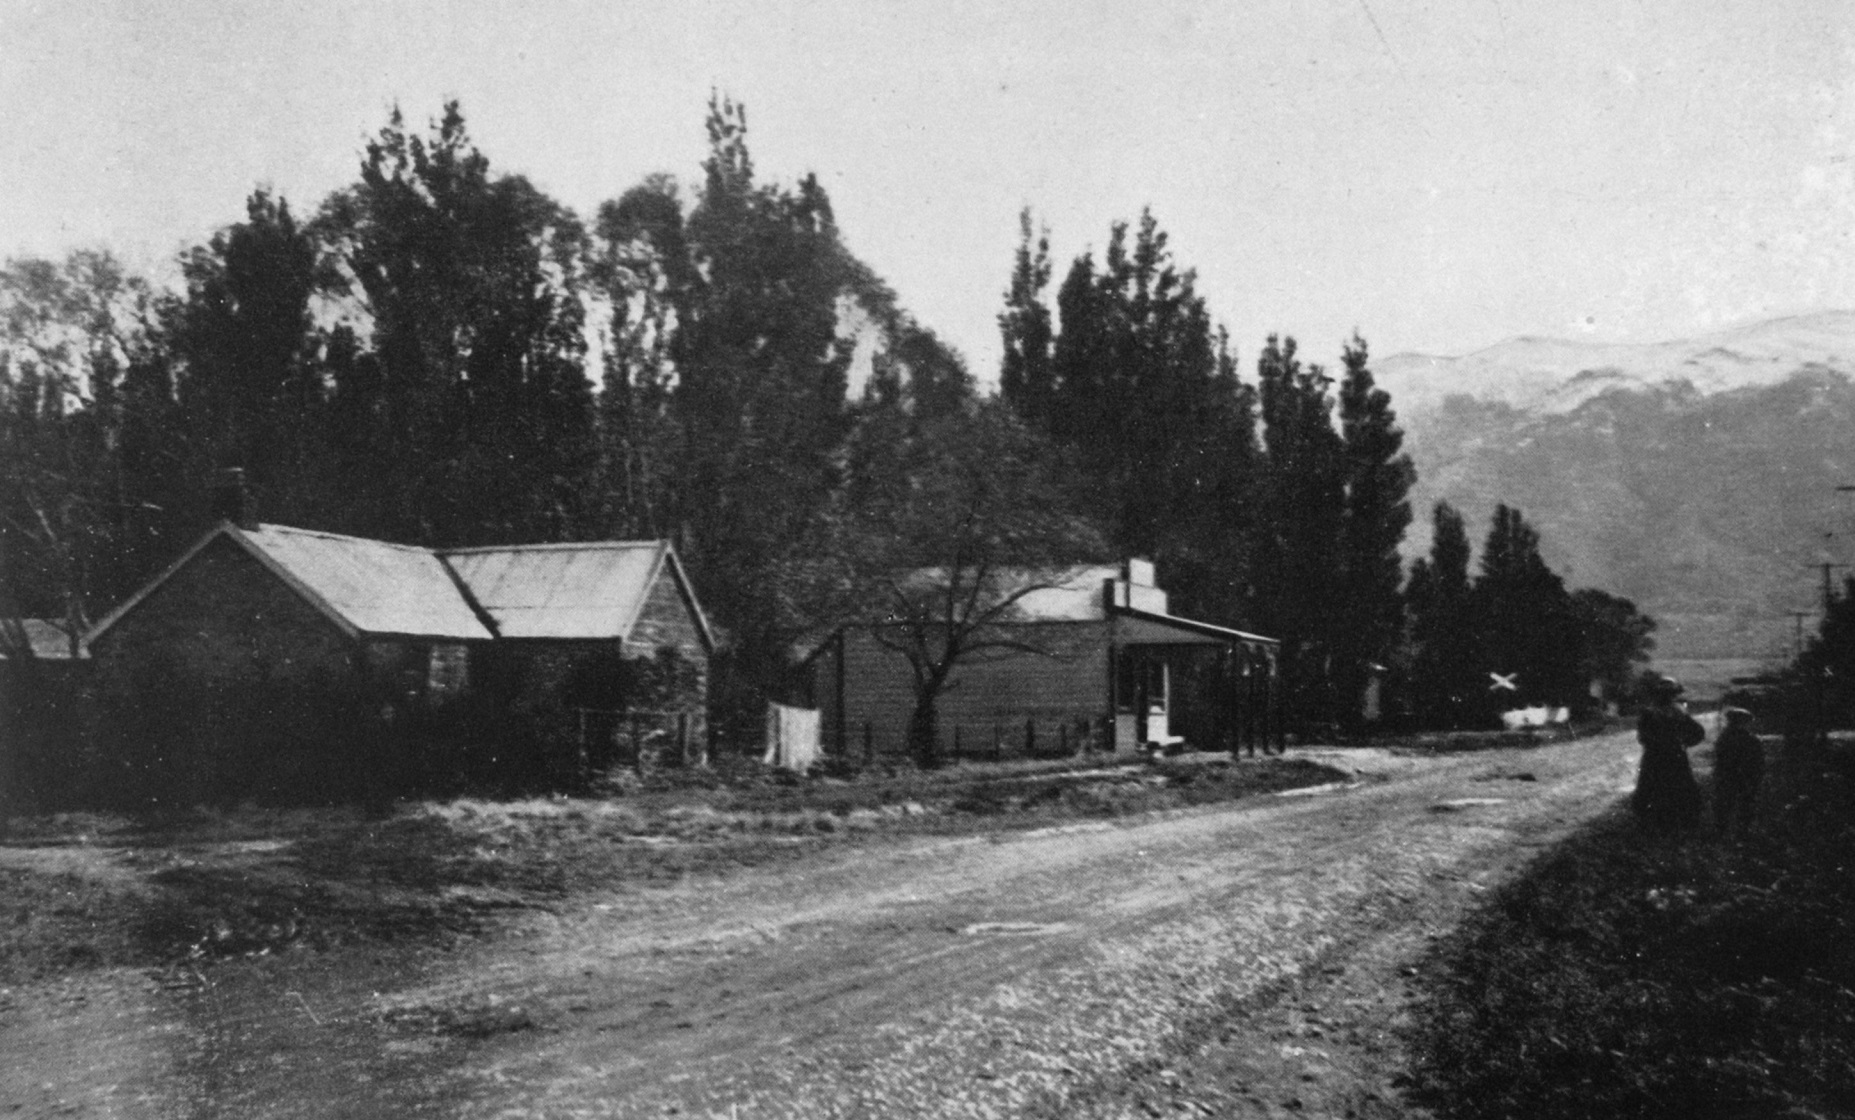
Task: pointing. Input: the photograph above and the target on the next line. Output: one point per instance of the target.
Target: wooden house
(269, 658)
(1099, 663)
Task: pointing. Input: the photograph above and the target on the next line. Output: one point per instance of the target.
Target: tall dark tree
(1826, 666)
(1025, 377)
(1614, 640)
(249, 388)
(470, 287)
(760, 400)
(1215, 523)
(1135, 364)
(1303, 509)
(1379, 477)
(642, 267)
(1522, 615)
(1446, 683)
(1143, 387)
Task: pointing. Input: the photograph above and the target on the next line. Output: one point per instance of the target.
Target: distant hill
(1556, 375)
(1695, 477)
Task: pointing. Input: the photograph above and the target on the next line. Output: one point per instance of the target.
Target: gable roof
(1190, 625)
(362, 586)
(1072, 593)
(596, 589)
(1121, 593)
(368, 586)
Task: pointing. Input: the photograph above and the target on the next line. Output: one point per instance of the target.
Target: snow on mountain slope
(1544, 375)
(1696, 477)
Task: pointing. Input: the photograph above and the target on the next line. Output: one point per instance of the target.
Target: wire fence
(605, 738)
(1047, 732)
(1018, 733)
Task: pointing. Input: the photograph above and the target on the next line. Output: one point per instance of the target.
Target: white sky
(1440, 175)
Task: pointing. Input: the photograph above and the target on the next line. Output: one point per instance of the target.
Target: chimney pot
(232, 498)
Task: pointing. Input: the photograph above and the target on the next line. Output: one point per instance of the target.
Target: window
(448, 672)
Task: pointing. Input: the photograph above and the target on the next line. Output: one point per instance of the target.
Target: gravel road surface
(1240, 959)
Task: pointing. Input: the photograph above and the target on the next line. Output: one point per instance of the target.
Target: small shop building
(1097, 662)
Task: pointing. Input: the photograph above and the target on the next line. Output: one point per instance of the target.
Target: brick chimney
(232, 498)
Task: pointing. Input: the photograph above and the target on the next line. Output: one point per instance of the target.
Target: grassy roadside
(83, 891)
(1626, 976)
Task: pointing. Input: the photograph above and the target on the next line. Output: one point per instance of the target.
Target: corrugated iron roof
(1071, 594)
(1209, 630)
(1074, 594)
(378, 588)
(591, 590)
(595, 590)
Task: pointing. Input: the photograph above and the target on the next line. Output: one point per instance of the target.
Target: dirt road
(1245, 959)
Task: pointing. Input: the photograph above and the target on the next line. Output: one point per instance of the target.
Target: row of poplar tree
(1284, 505)
(441, 354)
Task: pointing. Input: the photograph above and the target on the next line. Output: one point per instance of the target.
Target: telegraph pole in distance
(1828, 593)
(1820, 739)
(1826, 566)
(1847, 489)
(1800, 616)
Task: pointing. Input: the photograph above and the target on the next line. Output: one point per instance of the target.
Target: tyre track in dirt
(1162, 964)
(872, 988)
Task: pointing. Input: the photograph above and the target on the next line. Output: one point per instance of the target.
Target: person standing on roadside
(1667, 799)
(1738, 768)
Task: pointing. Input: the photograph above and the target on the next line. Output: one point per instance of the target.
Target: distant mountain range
(1695, 477)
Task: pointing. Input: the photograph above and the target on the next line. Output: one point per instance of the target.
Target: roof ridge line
(551, 546)
(268, 526)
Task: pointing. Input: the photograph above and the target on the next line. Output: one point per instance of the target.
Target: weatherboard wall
(667, 621)
(987, 705)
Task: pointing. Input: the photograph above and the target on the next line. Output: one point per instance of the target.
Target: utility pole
(1800, 616)
(1818, 685)
(1826, 566)
(1828, 592)
(1844, 489)
(1819, 736)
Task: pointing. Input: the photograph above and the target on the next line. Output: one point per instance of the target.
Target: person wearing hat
(1667, 799)
(1738, 768)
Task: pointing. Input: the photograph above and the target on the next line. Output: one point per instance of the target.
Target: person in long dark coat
(1667, 799)
(1738, 768)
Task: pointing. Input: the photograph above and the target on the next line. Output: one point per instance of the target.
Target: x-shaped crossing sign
(1503, 682)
